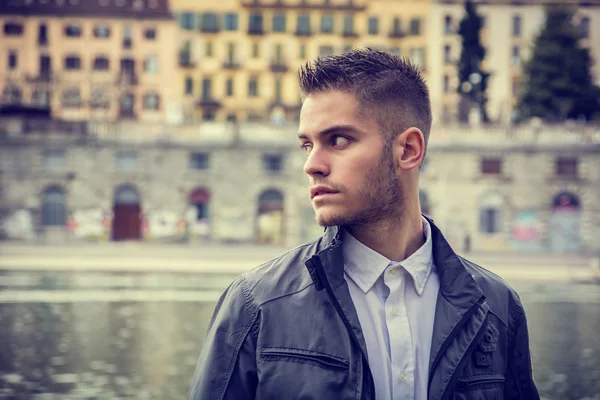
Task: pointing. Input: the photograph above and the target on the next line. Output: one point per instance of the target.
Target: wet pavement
(138, 335)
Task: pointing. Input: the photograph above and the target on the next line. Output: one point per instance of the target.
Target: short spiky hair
(390, 87)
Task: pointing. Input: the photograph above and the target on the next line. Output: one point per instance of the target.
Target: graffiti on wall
(526, 231)
(19, 225)
(162, 224)
(90, 223)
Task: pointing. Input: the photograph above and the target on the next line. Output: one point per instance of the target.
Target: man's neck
(395, 240)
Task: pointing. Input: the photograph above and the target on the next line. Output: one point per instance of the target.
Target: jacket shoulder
(502, 298)
(283, 275)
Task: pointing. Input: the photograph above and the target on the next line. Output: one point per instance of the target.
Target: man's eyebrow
(331, 130)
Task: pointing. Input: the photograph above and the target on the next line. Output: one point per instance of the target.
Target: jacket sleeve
(226, 368)
(519, 376)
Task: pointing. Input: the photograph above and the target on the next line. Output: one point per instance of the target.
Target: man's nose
(316, 163)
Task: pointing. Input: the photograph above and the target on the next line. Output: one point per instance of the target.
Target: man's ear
(409, 149)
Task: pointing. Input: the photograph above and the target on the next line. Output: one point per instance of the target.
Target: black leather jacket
(289, 330)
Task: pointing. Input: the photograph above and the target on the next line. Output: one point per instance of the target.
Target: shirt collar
(364, 265)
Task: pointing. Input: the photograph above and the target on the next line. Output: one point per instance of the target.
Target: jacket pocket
(479, 382)
(318, 359)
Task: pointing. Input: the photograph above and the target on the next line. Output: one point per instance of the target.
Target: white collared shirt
(395, 303)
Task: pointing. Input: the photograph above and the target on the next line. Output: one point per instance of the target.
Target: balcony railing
(208, 102)
(303, 32)
(295, 4)
(279, 66)
(231, 64)
(127, 78)
(397, 34)
(256, 30)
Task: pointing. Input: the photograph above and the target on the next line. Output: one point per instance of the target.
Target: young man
(380, 307)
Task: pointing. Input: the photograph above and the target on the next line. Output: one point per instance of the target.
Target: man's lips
(320, 191)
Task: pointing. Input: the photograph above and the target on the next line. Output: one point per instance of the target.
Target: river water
(137, 336)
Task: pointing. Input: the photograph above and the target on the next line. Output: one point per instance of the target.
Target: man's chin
(329, 219)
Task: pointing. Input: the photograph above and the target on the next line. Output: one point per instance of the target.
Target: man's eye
(339, 141)
(305, 147)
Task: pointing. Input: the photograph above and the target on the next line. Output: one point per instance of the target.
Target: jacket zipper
(467, 385)
(465, 357)
(338, 308)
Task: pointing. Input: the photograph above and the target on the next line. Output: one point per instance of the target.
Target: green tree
(557, 80)
(473, 81)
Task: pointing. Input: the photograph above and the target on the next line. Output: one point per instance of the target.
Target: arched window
(54, 206)
(490, 213)
(151, 101)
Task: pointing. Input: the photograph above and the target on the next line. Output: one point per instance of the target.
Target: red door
(127, 224)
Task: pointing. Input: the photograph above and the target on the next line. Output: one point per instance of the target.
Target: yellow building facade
(238, 59)
(87, 60)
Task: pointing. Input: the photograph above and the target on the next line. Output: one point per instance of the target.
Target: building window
(71, 98)
(279, 23)
(13, 29)
(255, 50)
(127, 160)
(272, 162)
(491, 166)
(302, 52)
(209, 49)
(417, 56)
(446, 84)
(187, 21)
(208, 116)
(396, 26)
(278, 87)
(325, 51)
(126, 104)
(255, 24)
(152, 101)
(253, 87)
(151, 64)
(566, 167)
(128, 36)
(373, 27)
(101, 63)
(230, 22)
(99, 99)
(327, 24)
(41, 98)
(73, 30)
(150, 34)
(448, 25)
(54, 159)
(54, 206)
(11, 94)
(584, 27)
(229, 87)
(189, 86)
(516, 26)
(199, 161)
(13, 60)
(206, 89)
(231, 117)
(516, 55)
(415, 26)
(516, 85)
(348, 25)
(303, 24)
(490, 213)
(43, 34)
(101, 31)
(447, 54)
(210, 22)
(72, 63)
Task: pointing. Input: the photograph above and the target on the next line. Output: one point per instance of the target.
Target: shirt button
(403, 377)
(394, 271)
(395, 311)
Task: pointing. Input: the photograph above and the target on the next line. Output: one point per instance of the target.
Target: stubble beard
(381, 195)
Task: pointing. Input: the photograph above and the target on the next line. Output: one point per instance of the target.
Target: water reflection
(147, 349)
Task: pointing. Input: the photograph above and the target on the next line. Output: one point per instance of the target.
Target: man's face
(349, 165)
